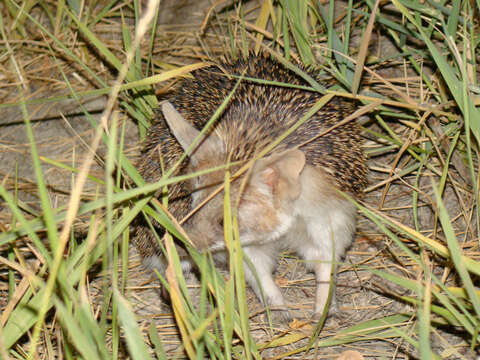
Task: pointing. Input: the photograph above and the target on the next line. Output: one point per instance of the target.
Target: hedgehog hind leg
(328, 224)
(329, 234)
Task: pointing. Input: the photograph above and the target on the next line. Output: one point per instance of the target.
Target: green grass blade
(79, 338)
(135, 342)
(448, 73)
(157, 343)
(456, 253)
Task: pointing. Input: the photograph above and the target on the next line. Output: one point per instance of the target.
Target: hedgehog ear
(281, 173)
(185, 134)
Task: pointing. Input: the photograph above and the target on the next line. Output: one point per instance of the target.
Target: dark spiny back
(256, 115)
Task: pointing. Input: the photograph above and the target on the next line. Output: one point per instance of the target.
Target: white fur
(253, 238)
(320, 223)
(329, 218)
(330, 223)
(317, 224)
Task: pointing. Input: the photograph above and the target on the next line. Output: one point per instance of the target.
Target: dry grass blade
(261, 23)
(362, 53)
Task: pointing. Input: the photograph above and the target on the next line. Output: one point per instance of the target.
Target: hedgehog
(289, 199)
